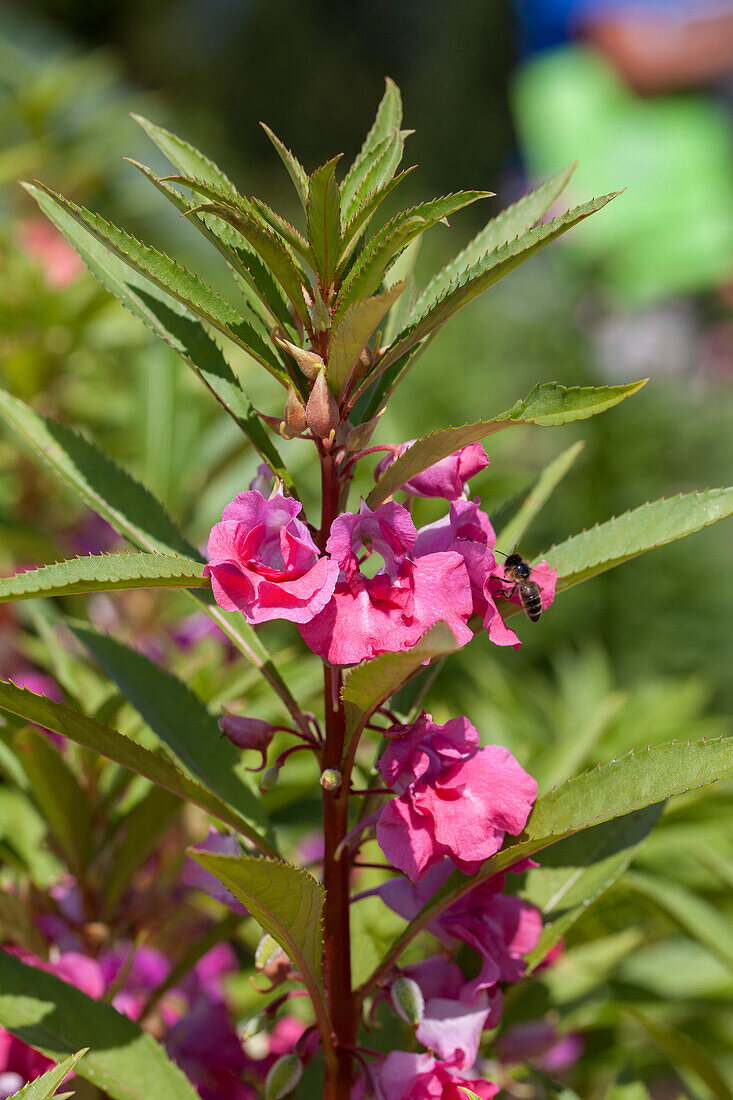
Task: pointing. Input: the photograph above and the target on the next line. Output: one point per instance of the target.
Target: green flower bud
(331, 779)
(270, 777)
(283, 1077)
(322, 412)
(309, 362)
(407, 1000)
(293, 422)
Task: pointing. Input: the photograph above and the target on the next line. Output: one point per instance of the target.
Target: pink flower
(264, 563)
(445, 478)
(499, 632)
(61, 265)
(539, 1042)
(390, 611)
(404, 1076)
(456, 799)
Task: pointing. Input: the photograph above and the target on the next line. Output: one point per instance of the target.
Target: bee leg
(507, 596)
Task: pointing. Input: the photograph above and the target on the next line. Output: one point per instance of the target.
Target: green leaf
(116, 746)
(350, 335)
(372, 683)
(186, 157)
(23, 835)
(175, 280)
(513, 222)
(547, 404)
(99, 481)
(103, 573)
(634, 1090)
(624, 537)
(170, 320)
(374, 175)
(384, 247)
(296, 171)
(285, 901)
(16, 925)
(483, 274)
(324, 220)
(58, 1019)
(577, 871)
(366, 210)
(181, 721)
(547, 482)
(701, 920)
(388, 119)
(621, 787)
(44, 1087)
(684, 1052)
(56, 790)
(288, 232)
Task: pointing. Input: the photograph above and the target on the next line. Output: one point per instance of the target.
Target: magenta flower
(264, 563)
(456, 799)
(404, 1076)
(540, 1043)
(445, 478)
(390, 611)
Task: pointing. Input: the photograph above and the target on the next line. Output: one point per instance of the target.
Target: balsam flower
(264, 563)
(404, 1076)
(499, 633)
(390, 611)
(445, 478)
(455, 799)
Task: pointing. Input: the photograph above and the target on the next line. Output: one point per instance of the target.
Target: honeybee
(520, 577)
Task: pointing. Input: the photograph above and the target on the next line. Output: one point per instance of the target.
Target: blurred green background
(640, 655)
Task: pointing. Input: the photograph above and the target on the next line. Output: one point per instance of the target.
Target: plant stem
(336, 872)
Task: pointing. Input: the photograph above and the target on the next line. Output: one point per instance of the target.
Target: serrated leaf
(609, 791)
(56, 790)
(385, 246)
(387, 120)
(484, 273)
(58, 1019)
(271, 249)
(181, 721)
(374, 174)
(114, 745)
(175, 280)
(185, 156)
(169, 319)
(296, 171)
(372, 683)
(701, 920)
(512, 222)
(624, 537)
(103, 573)
(350, 335)
(253, 277)
(44, 1087)
(547, 404)
(323, 210)
(684, 1052)
(285, 901)
(541, 491)
(100, 482)
(288, 232)
(575, 872)
(363, 214)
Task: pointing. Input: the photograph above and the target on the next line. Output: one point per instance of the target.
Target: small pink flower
(445, 478)
(264, 563)
(456, 799)
(404, 1076)
(44, 244)
(390, 611)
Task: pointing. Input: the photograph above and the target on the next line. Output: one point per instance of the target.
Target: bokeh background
(500, 94)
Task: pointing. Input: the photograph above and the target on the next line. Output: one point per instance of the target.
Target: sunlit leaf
(103, 573)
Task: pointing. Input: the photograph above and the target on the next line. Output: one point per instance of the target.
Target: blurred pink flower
(539, 1042)
(404, 1076)
(264, 563)
(445, 478)
(390, 611)
(39, 240)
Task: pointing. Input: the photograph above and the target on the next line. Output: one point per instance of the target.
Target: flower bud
(331, 779)
(247, 1029)
(248, 733)
(271, 960)
(363, 364)
(317, 311)
(293, 422)
(270, 777)
(284, 1077)
(407, 1000)
(359, 437)
(308, 361)
(322, 412)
